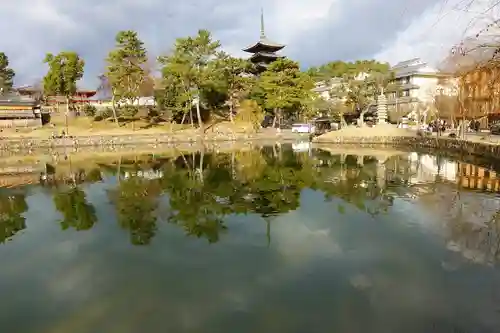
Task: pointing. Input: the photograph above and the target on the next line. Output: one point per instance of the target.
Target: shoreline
(30, 143)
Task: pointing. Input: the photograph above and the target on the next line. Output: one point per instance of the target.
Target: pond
(277, 239)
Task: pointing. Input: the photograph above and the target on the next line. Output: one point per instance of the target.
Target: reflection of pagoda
(264, 51)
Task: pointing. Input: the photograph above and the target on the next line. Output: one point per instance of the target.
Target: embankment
(476, 147)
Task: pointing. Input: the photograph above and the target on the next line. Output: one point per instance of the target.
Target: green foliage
(126, 72)
(135, 200)
(128, 111)
(11, 219)
(77, 212)
(6, 74)
(285, 87)
(250, 112)
(186, 71)
(65, 69)
(229, 75)
(89, 110)
(349, 70)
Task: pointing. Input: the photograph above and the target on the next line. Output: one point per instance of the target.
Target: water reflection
(199, 190)
(316, 236)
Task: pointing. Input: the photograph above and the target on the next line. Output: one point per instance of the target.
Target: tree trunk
(274, 118)
(198, 114)
(183, 118)
(362, 114)
(119, 170)
(202, 155)
(191, 115)
(67, 115)
(233, 169)
(113, 107)
(231, 112)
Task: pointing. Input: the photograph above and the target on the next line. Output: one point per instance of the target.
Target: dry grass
(85, 126)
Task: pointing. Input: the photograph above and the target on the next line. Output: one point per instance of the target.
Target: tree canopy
(65, 69)
(199, 82)
(7, 74)
(126, 68)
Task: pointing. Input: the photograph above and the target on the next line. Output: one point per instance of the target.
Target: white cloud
(432, 34)
(315, 31)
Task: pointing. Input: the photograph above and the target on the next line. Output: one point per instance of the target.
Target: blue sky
(315, 31)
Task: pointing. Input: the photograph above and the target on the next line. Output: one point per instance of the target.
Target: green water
(262, 241)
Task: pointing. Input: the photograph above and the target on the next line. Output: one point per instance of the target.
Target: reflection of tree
(198, 198)
(477, 237)
(77, 212)
(11, 220)
(136, 200)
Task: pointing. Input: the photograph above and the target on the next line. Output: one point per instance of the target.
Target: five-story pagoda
(264, 51)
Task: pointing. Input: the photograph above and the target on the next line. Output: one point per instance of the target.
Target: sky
(315, 31)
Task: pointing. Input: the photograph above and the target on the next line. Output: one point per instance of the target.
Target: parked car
(495, 129)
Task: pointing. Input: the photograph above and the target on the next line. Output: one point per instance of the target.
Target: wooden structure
(263, 51)
(81, 96)
(19, 111)
(477, 178)
(476, 66)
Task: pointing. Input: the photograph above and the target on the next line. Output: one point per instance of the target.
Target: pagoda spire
(262, 32)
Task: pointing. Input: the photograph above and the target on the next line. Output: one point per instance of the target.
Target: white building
(418, 84)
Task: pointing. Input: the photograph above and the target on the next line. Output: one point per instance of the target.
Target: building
(82, 96)
(19, 111)
(264, 50)
(418, 84)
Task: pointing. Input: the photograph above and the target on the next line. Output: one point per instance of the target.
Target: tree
(65, 69)
(12, 221)
(136, 200)
(104, 88)
(349, 70)
(6, 74)
(147, 87)
(188, 67)
(285, 87)
(250, 112)
(77, 212)
(230, 75)
(126, 71)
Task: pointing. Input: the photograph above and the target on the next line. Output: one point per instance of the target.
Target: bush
(106, 113)
(128, 111)
(250, 112)
(89, 110)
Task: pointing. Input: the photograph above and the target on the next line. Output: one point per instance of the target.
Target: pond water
(267, 240)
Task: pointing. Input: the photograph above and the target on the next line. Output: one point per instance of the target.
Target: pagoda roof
(264, 44)
(263, 54)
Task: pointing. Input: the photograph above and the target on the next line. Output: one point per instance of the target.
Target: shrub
(89, 110)
(128, 110)
(250, 112)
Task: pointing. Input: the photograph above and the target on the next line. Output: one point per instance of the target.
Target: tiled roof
(263, 43)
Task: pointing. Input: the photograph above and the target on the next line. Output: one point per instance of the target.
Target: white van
(303, 128)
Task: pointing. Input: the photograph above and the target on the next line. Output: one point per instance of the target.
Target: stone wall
(16, 146)
(30, 143)
(436, 144)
